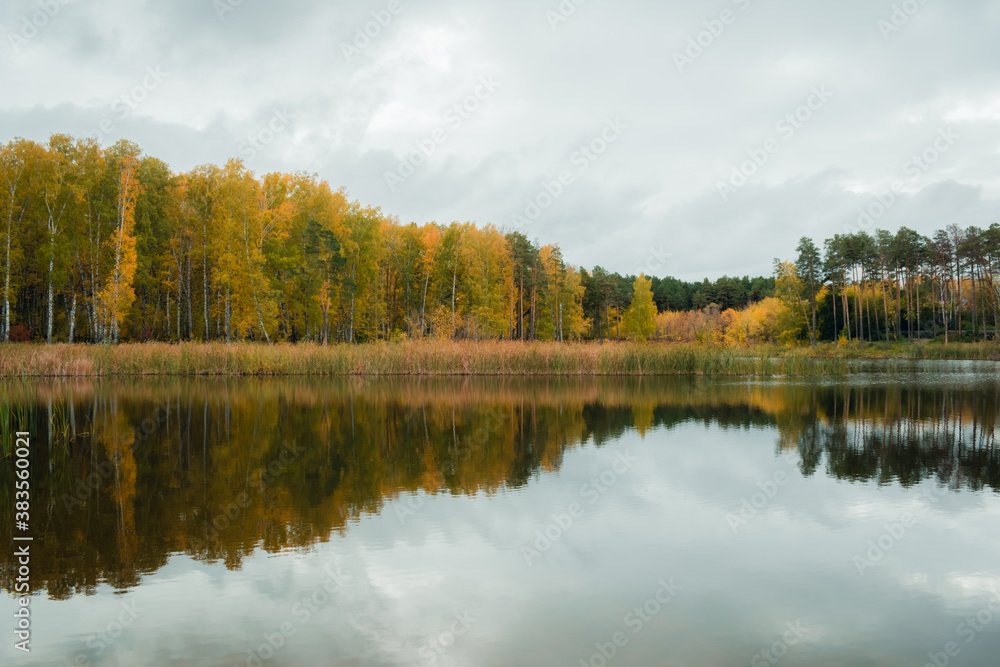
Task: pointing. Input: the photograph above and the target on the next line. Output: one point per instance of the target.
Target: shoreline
(464, 358)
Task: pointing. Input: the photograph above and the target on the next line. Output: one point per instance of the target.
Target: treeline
(672, 294)
(107, 245)
(901, 286)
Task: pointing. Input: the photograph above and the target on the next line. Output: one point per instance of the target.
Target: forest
(109, 245)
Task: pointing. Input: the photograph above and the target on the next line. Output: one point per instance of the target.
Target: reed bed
(429, 358)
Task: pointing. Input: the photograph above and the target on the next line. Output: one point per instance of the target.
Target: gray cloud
(356, 116)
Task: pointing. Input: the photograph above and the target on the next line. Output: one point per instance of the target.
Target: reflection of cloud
(972, 587)
(406, 582)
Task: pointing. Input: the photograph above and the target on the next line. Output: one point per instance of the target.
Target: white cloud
(354, 120)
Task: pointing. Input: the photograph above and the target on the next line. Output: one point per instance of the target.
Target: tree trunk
(6, 280)
(812, 299)
(833, 303)
(170, 333)
(958, 301)
(975, 308)
(857, 304)
(873, 309)
(204, 278)
(190, 311)
(520, 308)
(511, 309)
(354, 290)
(253, 290)
(180, 302)
(533, 303)
(423, 305)
(868, 307)
(899, 308)
(909, 305)
(993, 299)
(72, 318)
(885, 303)
(48, 324)
(847, 311)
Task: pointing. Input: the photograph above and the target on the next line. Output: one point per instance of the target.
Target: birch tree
(118, 294)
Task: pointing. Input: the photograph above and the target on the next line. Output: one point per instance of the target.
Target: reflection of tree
(120, 441)
(218, 468)
(907, 434)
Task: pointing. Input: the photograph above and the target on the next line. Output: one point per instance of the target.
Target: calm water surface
(597, 522)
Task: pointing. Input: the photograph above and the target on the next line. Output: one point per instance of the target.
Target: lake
(593, 521)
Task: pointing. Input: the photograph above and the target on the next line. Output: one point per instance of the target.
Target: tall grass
(428, 358)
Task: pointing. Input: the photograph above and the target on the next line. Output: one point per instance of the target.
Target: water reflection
(129, 472)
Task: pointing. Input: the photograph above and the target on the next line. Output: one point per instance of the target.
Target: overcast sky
(667, 120)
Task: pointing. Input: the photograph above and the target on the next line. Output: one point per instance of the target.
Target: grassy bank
(460, 358)
(928, 351)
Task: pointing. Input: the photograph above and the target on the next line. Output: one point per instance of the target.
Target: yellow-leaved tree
(117, 296)
(574, 324)
(640, 318)
(756, 324)
(362, 248)
(484, 255)
(251, 215)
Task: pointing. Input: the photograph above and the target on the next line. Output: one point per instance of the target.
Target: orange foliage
(758, 323)
(697, 326)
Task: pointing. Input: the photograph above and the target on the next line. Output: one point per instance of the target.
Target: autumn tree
(640, 318)
(118, 293)
(789, 289)
(200, 193)
(312, 260)
(361, 250)
(487, 280)
(17, 160)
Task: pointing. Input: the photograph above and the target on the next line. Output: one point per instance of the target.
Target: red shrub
(20, 334)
